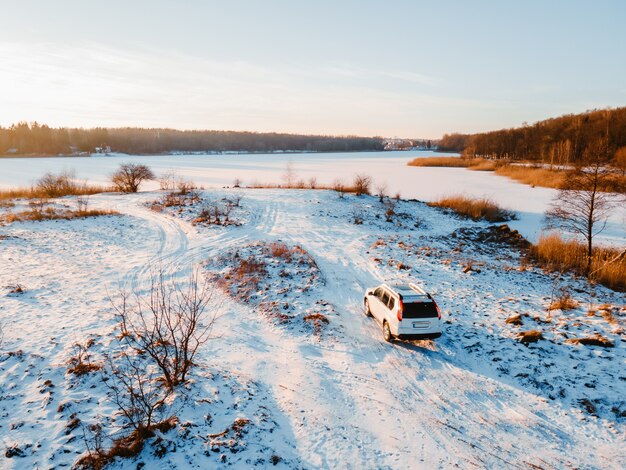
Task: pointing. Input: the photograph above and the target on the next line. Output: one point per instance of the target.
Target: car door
(383, 301)
(375, 303)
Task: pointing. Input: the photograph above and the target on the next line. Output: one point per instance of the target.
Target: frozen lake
(385, 167)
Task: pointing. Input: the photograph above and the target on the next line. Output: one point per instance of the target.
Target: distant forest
(560, 140)
(33, 138)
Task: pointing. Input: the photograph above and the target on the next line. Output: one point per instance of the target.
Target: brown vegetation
(594, 340)
(480, 164)
(53, 186)
(533, 176)
(50, 213)
(530, 336)
(608, 265)
(98, 458)
(317, 320)
(477, 209)
(514, 320)
(563, 302)
(80, 362)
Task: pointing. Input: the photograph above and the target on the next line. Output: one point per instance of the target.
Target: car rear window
(419, 310)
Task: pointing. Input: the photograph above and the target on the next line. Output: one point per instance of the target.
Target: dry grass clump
(530, 336)
(379, 242)
(534, 176)
(80, 362)
(563, 302)
(449, 162)
(476, 164)
(477, 209)
(594, 340)
(280, 250)
(49, 213)
(514, 320)
(607, 266)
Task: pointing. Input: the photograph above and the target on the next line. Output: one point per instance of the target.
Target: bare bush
(381, 191)
(167, 181)
(218, 213)
(82, 202)
(339, 187)
(141, 401)
(185, 186)
(136, 391)
(362, 184)
(169, 325)
(236, 183)
(289, 177)
(313, 182)
(59, 185)
(390, 211)
(129, 177)
(357, 216)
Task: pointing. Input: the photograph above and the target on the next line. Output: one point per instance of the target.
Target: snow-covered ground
(476, 397)
(421, 183)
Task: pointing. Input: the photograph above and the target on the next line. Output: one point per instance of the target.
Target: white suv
(404, 311)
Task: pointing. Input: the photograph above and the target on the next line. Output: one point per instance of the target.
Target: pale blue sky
(392, 68)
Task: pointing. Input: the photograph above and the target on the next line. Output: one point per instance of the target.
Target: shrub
(169, 324)
(608, 265)
(339, 187)
(475, 209)
(362, 184)
(59, 185)
(129, 177)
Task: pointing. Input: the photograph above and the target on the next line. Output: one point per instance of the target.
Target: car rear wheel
(366, 308)
(387, 332)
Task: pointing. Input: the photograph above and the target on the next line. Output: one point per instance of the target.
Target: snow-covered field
(333, 395)
(426, 184)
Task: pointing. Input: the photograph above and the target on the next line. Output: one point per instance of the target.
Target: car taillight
(400, 309)
(438, 310)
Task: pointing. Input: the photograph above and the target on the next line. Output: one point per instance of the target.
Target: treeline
(453, 142)
(562, 140)
(33, 138)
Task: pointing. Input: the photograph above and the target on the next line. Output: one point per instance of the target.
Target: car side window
(385, 298)
(378, 293)
(392, 303)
